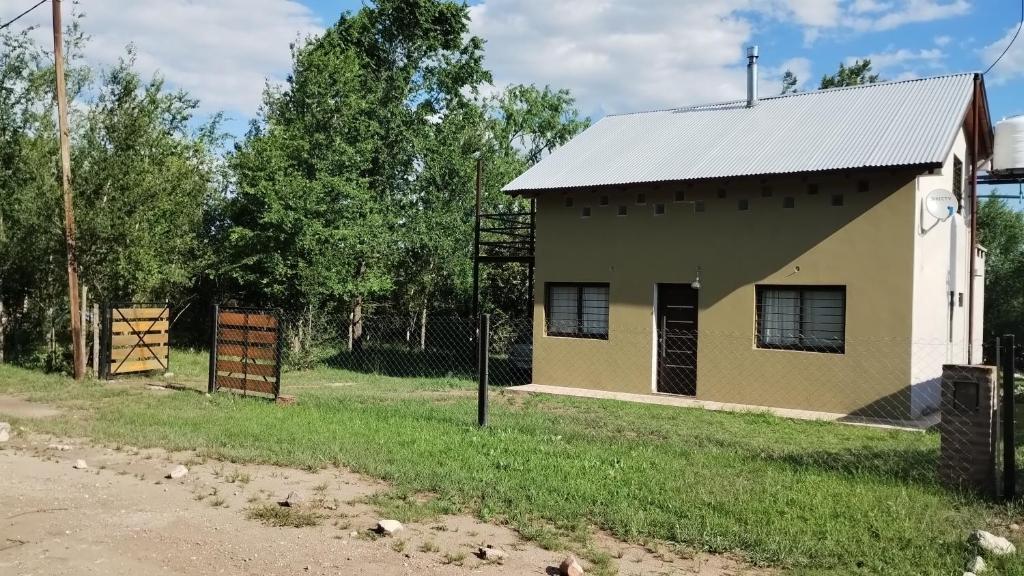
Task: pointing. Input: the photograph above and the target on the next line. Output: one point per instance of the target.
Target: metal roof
(902, 123)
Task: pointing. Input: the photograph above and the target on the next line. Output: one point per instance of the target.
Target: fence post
(483, 368)
(106, 329)
(211, 386)
(1006, 357)
(277, 353)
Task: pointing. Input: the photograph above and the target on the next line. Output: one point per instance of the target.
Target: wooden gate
(137, 339)
(245, 350)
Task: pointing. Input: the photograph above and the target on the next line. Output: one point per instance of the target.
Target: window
(837, 199)
(789, 202)
(641, 198)
(810, 318)
(585, 213)
(577, 310)
(680, 196)
(568, 201)
(958, 183)
(659, 209)
(623, 210)
(604, 201)
(743, 204)
(698, 206)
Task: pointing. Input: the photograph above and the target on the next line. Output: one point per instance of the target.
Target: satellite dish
(941, 204)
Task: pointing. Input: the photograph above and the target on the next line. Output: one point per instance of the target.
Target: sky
(615, 55)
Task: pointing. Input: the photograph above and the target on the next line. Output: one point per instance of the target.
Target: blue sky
(615, 55)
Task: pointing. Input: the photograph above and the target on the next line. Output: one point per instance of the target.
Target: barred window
(811, 318)
(577, 310)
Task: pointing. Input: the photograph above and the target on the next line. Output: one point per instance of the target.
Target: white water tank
(1009, 145)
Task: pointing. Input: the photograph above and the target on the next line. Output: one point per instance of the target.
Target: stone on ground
(389, 527)
(977, 566)
(291, 500)
(491, 554)
(570, 567)
(5, 431)
(988, 542)
(178, 472)
(80, 465)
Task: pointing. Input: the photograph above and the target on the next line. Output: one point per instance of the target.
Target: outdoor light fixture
(696, 283)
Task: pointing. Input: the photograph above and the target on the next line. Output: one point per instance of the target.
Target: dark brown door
(677, 339)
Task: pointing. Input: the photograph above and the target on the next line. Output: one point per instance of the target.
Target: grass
(814, 497)
(281, 516)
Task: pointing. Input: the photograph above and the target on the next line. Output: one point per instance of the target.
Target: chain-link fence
(888, 406)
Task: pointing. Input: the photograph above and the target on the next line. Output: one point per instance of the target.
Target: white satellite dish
(941, 204)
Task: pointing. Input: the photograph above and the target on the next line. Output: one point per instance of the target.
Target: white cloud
(917, 11)
(819, 13)
(1012, 64)
(904, 64)
(942, 40)
(618, 55)
(221, 52)
(869, 6)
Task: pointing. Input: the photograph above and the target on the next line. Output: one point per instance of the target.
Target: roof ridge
(711, 105)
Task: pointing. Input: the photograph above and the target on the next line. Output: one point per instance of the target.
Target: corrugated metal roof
(901, 123)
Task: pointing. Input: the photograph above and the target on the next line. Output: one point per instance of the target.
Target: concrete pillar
(969, 428)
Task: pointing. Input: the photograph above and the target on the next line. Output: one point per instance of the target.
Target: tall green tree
(1001, 232)
(789, 82)
(853, 75)
(324, 179)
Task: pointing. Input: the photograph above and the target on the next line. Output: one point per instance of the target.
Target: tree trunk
(95, 340)
(3, 330)
(357, 313)
(84, 315)
(423, 328)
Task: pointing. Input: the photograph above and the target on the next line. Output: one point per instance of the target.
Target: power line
(23, 14)
(1012, 40)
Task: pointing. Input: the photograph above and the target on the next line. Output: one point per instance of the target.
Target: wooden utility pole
(69, 213)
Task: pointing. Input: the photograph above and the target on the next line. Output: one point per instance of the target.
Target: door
(677, 339)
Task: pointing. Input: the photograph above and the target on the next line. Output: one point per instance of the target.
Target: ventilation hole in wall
(812, 189)
(586, 212)
(837, 199)
(743, 204)
(568, 201)
(622, 211)
(698, 206)
(721, 192)
(603, 201)
(641, 198)
(659, 209)
(960, 299)
(680, 196)
(863, 186)
(766, 191)
(789, 202)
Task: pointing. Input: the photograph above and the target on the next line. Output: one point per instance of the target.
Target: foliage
(1001, 232)
(853, 75)
(789, 82)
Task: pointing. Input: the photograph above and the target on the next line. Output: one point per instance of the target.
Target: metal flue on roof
(910, 122)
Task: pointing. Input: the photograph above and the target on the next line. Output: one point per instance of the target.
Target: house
(777, 252)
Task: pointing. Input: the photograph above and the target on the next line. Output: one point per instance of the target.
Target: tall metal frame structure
(502, 238)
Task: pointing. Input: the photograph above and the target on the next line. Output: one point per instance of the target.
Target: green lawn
(814, 497)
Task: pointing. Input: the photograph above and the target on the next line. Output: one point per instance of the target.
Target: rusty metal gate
(245, 350)
(136, 339)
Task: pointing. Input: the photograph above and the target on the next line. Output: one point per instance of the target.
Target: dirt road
(121, 516)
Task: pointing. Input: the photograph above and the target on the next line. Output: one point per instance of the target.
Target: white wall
(941, 265)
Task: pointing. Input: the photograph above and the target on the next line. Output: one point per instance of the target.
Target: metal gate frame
(107, 336)
(246, 360)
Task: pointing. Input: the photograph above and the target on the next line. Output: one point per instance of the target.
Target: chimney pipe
(751, 75)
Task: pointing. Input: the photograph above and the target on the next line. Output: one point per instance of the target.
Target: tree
(853, 75)
(789, 82)
(1001, 232)
(325, 180)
